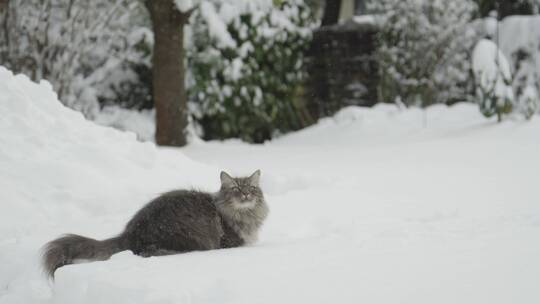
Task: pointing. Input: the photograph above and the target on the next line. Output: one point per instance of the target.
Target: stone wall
(342, 68)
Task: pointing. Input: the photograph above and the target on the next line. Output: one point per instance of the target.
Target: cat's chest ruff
(244, 205)
(243, 222)
(247, 232)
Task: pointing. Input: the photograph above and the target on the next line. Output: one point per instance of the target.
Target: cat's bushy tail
(72, 248)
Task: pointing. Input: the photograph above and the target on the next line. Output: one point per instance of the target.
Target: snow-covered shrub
(86, 49)
(423, 51)
(246, 67)
(525, 83)
(129, 83)
(493, 79)
(518, 39)
(528, 101)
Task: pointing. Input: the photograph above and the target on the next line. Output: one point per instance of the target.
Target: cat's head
(241, 192)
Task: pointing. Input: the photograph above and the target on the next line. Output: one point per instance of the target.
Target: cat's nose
(244, 197)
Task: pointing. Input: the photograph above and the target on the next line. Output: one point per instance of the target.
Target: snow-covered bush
(423, 51)
(518, 39)
(86, 49)
(493, 79)
(129, 83)
(528, 101)
(246, 67)
(525, 83)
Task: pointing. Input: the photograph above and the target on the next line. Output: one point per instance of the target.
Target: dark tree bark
(331, 12)
(168, 72)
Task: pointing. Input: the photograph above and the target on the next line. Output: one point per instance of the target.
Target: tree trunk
(168, 72)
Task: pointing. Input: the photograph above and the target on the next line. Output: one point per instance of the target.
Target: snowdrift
(56, 168)
(48, 150)
(377, 205)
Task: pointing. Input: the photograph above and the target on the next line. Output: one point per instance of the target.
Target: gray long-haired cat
(175, 222)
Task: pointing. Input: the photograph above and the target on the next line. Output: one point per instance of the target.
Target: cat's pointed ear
(226, 179)
(254, 178)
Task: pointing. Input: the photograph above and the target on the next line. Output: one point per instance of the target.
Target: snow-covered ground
(371, 206)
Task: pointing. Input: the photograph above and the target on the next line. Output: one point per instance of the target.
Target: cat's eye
(236, 189)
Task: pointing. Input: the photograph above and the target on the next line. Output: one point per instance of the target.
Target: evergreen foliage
(493, 79)
(246, 65)
(423, 51)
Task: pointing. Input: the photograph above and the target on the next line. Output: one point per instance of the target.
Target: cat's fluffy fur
(175, 222)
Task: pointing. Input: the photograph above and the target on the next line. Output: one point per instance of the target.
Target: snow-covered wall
(342, 67)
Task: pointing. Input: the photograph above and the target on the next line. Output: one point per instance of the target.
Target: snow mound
(35, 123)
(57, 168)
(141, 122)
(386, 124)
(47, 148)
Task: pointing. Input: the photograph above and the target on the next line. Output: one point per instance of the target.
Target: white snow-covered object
(185, 5)
(492, 70)
(521, 33)
(369, 200)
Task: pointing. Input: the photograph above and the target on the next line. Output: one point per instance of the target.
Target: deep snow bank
(48, 150)
(374, 205)
(57, 168)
